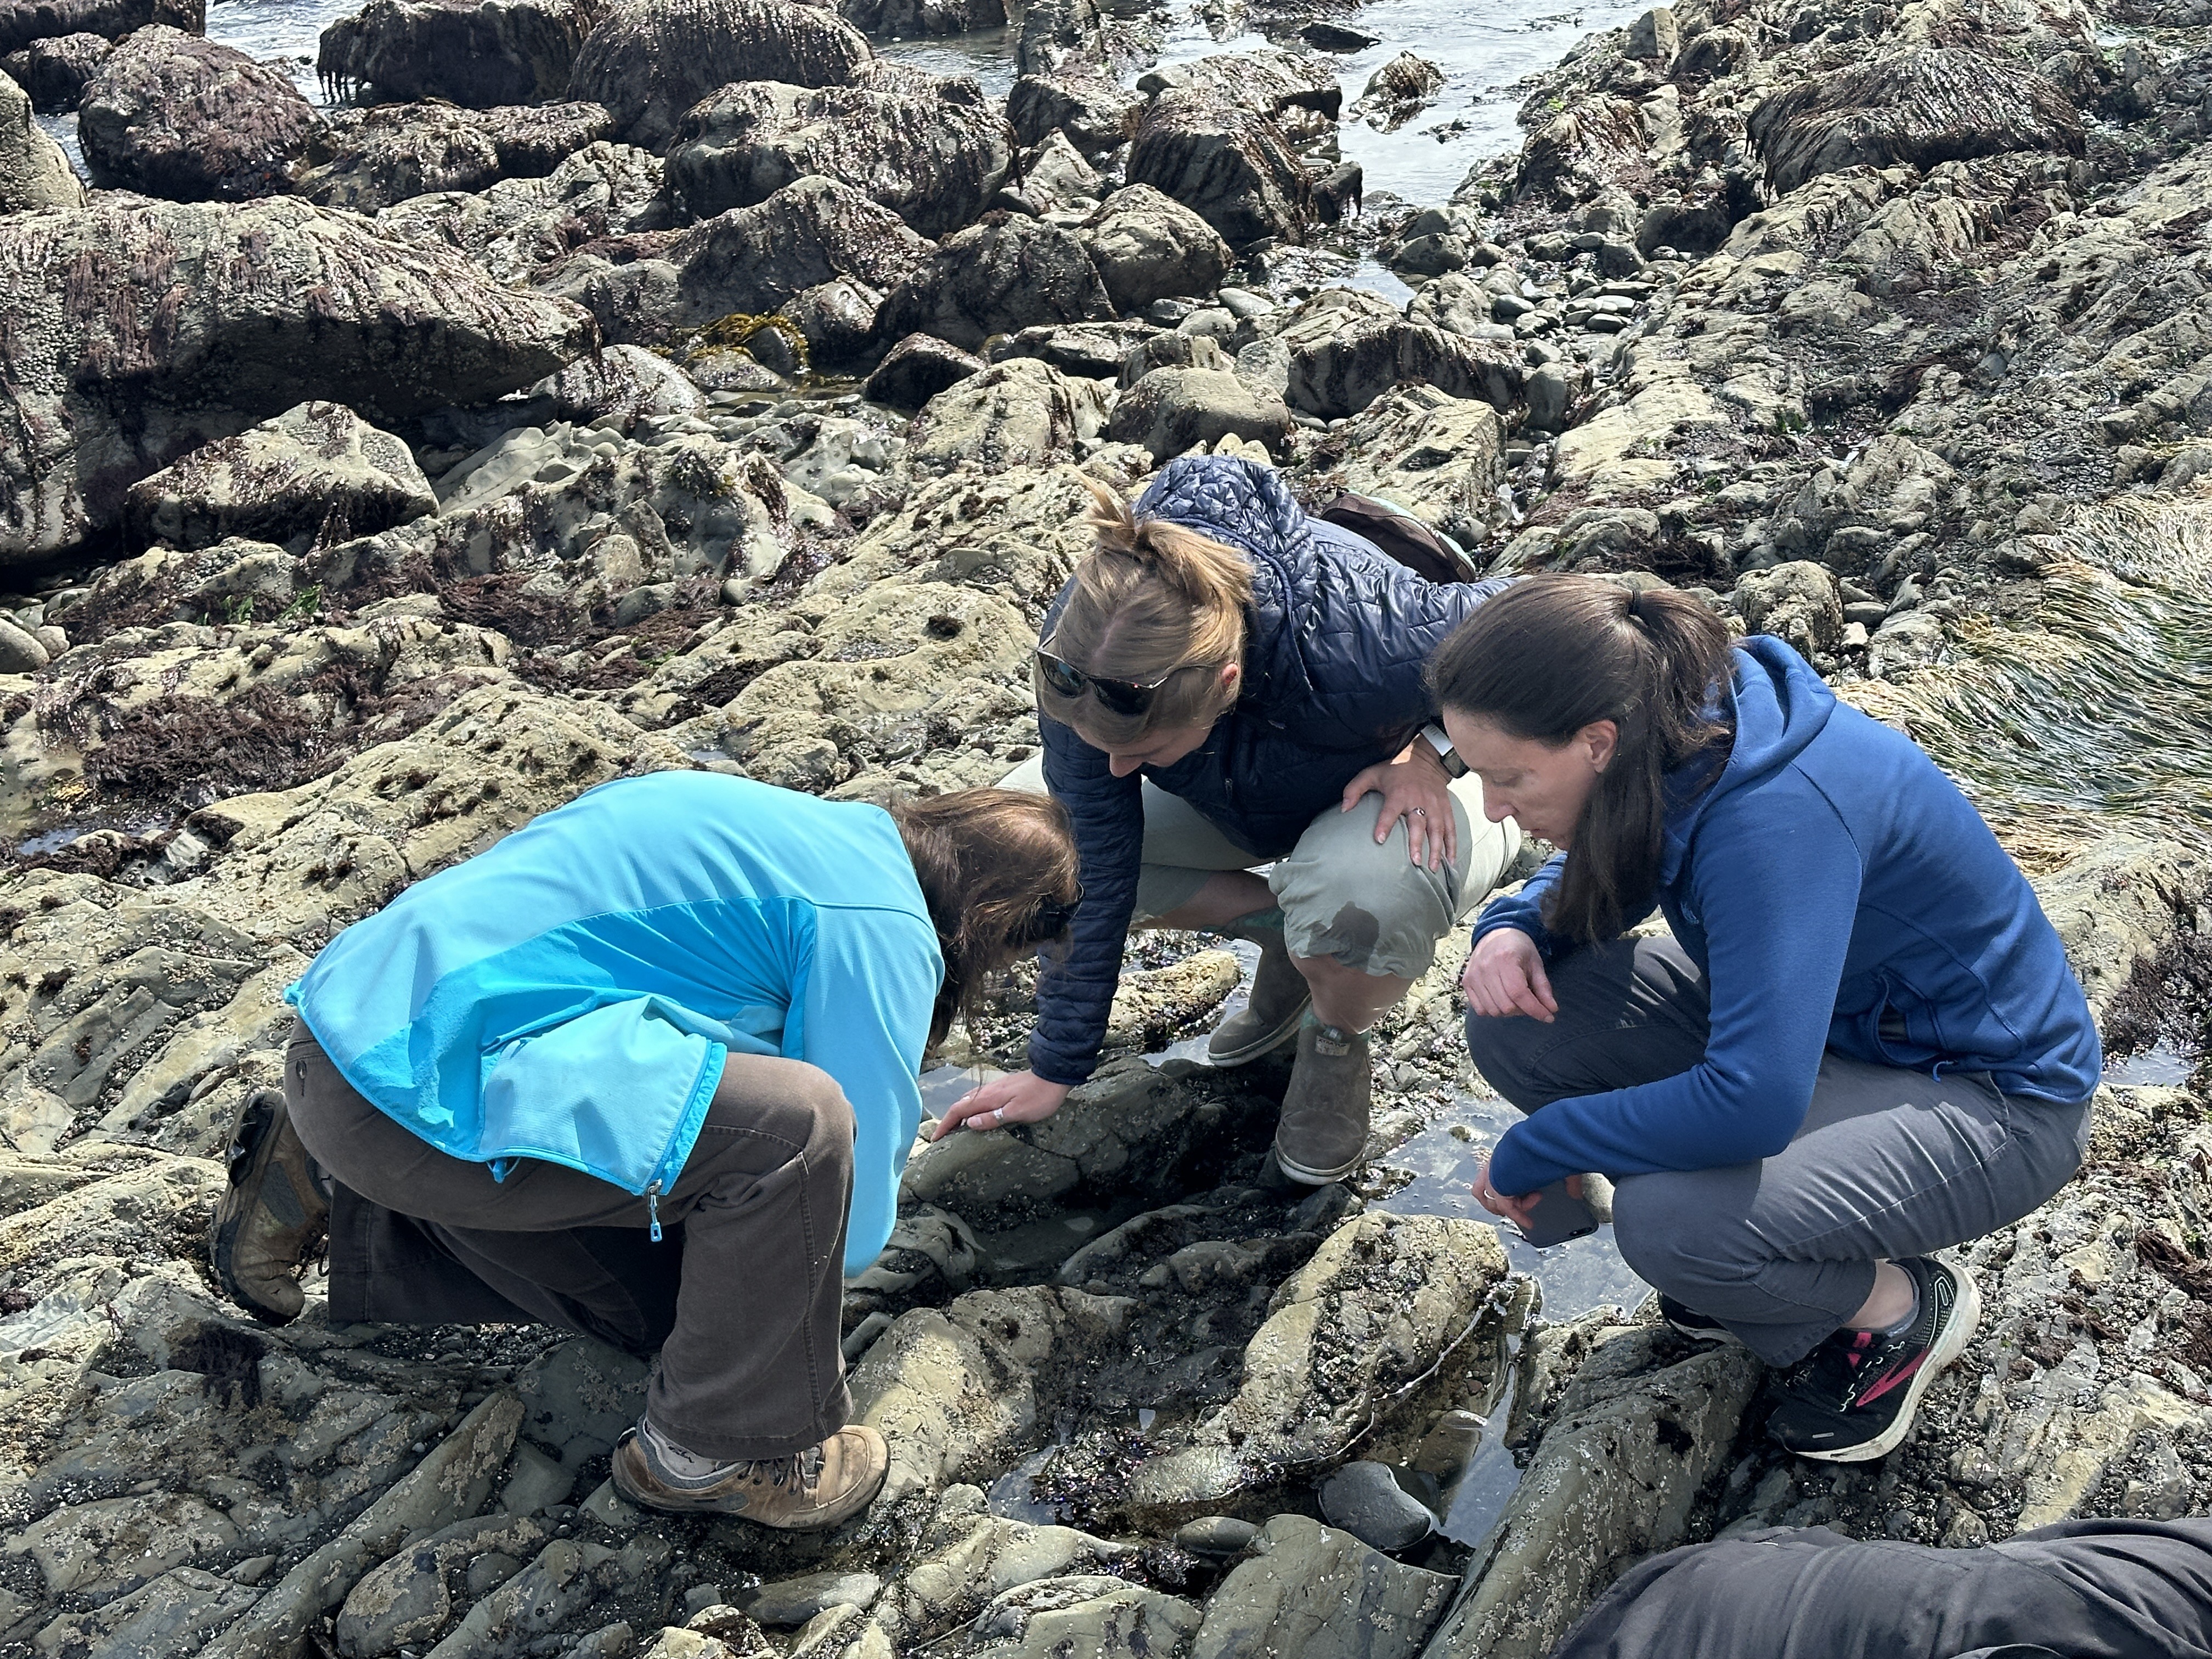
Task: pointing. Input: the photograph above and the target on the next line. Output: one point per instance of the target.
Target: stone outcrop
(936, 158)
(252, 306)
(316, 474)
(369, 158)
(54, 71)
(1147, 247)
(23, 21)
(1005, 274)
(34, 174)
(479, 54)
(171, 114)
(1924, 106)
(1232, 167)
(651, 60)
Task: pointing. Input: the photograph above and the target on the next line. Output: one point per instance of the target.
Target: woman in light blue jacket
(645, 1069)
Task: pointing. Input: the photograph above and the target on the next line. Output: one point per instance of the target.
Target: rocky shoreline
(378, 479)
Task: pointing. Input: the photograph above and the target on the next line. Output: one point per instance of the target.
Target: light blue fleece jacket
(570, 994)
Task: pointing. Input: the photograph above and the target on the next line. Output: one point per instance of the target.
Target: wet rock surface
(348, 543)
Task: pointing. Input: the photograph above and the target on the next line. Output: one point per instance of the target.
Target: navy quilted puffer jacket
(1336, 639)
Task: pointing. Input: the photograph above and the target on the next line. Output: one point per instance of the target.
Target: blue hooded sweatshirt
(1831, 877)
(570, 993)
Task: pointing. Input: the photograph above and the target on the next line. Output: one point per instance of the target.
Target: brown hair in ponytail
(997, 869)
(1554, 654)
(1151, 601)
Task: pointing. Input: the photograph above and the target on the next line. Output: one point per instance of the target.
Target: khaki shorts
(1342, 894)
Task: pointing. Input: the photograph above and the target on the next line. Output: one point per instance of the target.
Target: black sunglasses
(1122, 697)
(1051, 918)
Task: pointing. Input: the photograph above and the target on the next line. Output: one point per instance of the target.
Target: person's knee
(1368, 906)
(1675, 1233)
(815, 1093)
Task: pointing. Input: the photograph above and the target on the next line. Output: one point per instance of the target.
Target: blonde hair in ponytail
(1153, 601)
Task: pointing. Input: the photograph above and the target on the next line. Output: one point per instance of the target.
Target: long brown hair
(1153, 601)
(1553, 654)
(998, 868)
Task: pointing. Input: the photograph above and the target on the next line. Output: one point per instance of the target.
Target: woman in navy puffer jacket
(1227, 683)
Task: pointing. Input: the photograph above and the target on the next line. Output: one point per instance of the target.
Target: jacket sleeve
(1076, 993)
(1778, 899)
(1524, 910)
(864, 1013)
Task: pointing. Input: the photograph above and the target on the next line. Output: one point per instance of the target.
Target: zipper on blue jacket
(653, 1209)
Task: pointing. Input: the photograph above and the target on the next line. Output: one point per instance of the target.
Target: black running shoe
(1699, 1327)
(1851, 1399)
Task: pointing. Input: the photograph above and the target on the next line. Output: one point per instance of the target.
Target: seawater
(1487, 60)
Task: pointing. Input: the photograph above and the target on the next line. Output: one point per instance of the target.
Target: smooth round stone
(1216, 1534)
(1365, 1500)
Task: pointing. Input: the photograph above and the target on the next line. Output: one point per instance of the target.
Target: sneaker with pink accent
(1852, 1399)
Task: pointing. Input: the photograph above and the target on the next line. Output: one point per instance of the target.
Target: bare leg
(1345, 997)
(1890, 1301)
(1228, 895)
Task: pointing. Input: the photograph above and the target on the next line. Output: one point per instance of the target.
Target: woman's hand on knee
(1505, 976)
(1019, 1097)
(1414, 787)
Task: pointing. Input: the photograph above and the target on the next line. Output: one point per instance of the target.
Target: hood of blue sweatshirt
(1839, 892)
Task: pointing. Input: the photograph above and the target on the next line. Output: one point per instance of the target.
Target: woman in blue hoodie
(645, 1069)
(1860, 1045)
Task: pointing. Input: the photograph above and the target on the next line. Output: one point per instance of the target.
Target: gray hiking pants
(740, 1297)
(1888, 1163)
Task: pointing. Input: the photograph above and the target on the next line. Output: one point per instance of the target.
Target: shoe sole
(222, 1230)
(1261, 1046)
(1306, 1177)
(1966, 1318)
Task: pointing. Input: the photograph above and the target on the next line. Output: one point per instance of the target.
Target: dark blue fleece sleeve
(1778, 891)
(1524, 910)
(1076, 994)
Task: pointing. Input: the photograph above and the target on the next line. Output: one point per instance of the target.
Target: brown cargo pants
(740, 1297)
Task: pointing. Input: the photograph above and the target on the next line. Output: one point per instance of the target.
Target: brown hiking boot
(1323, 1130)
(273, 1218)
(1281, 997)
(819, 1487)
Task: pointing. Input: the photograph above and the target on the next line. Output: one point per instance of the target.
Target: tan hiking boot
(273, 1217)
(1323, 1132)
(819, 1487)
(1281, 997)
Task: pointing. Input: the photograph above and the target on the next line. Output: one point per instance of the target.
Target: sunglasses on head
(1122, 697)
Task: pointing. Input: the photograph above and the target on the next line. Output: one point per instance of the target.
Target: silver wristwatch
(1440, 741)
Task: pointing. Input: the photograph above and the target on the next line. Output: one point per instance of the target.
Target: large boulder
(1437, 456)
(1052, 31)
(316, 474)
(935, 160)
(1018, 413)
(1234, 167)
(1081, 98)
(754, 259)
(136, 330)
(1929, 105)
(904, 19)
(369, 158)
(171, 114)
(1007, 273)
(478, 53)
(1340, 363)
(1148, 246)
(34, 174)
(651, 60)
(519, 226)
(23, 21)
(916, 369)
(1173, 409)
(56, 70)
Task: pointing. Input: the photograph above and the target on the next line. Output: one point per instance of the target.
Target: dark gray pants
(1888, 1163)
(741, 1298)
